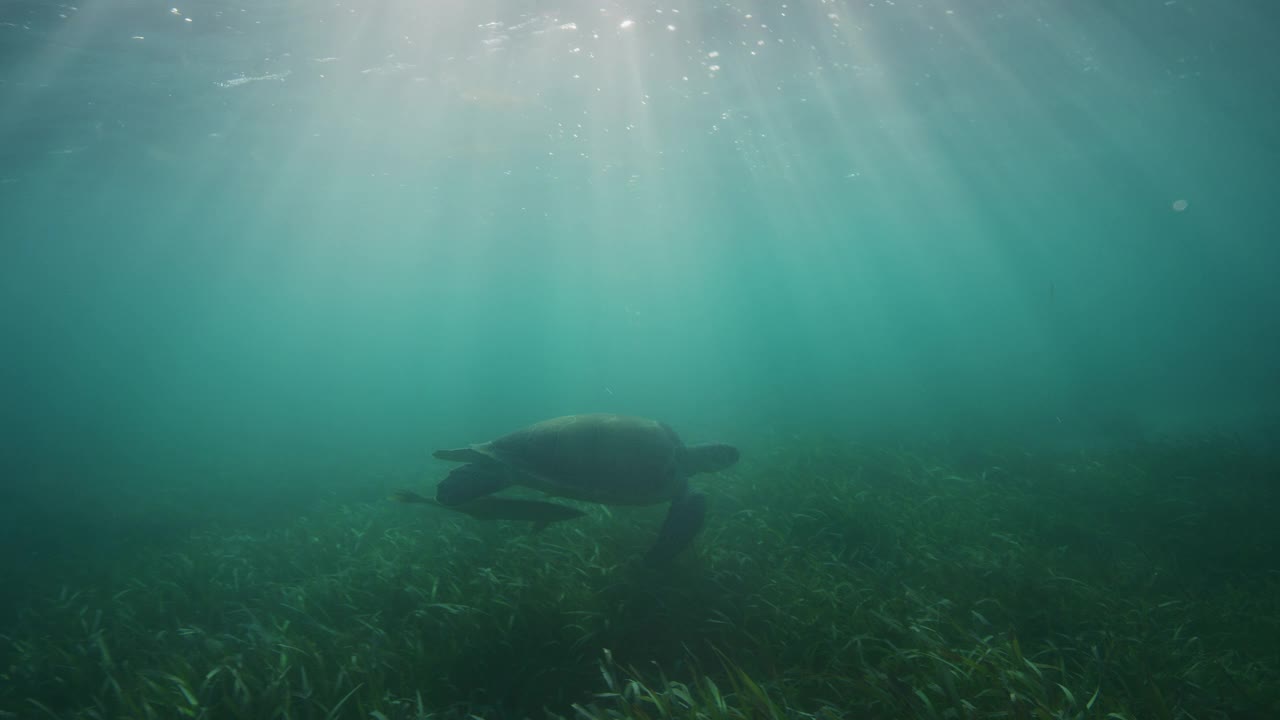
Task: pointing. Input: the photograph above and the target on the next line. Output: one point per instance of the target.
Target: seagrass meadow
(834, 580)
(981, 294)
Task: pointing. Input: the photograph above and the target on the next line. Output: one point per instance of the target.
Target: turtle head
(708, 457)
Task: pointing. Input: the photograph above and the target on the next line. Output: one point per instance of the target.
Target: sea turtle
(608, 459)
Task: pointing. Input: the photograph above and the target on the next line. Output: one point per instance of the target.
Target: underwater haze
(259, 259)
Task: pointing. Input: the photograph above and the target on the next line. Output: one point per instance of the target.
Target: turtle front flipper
(471, 481)
(684, 520)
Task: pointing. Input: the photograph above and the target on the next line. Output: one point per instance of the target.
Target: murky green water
(258, 260)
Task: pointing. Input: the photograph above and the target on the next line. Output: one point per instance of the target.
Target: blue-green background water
(251, 251)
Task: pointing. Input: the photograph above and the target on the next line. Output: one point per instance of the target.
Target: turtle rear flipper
(471, 481)
(684, 520)
(408, 496)
(466, 454)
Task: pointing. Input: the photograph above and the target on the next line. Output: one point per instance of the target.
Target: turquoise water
(347, 228)
(256, 254)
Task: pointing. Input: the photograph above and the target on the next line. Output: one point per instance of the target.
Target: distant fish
(540, 513)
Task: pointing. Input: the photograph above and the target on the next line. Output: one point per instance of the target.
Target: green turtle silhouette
(607, 459)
